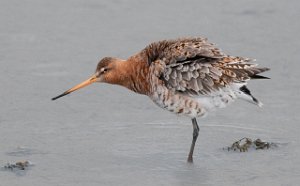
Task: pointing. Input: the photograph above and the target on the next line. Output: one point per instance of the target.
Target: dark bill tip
(59, 96)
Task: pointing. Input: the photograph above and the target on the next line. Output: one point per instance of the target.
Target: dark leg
(195, 136)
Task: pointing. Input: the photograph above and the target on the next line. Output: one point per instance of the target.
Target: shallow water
(106, 135)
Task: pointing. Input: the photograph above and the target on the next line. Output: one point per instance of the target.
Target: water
(106, 135)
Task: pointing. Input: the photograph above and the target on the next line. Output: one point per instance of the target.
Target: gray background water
(106, 135)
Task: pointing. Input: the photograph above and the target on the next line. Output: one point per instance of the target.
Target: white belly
(195, 106)
(217, 100)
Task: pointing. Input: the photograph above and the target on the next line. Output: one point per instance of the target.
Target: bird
(187, 76)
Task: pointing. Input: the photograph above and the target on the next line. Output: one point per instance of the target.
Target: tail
(243, 70)
(254, 71)
(259, 77)
(245, 94)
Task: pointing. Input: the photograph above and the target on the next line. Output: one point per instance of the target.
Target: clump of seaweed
(20, 165)
(244, 144)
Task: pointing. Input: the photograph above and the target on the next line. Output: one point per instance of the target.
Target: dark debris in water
(244, 144)
(20, 165)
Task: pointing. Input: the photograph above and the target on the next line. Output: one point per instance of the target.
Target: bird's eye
(103, 70)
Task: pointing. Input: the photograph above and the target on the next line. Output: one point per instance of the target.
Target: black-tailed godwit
(187, 76)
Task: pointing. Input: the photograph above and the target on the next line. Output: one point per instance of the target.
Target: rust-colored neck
(131, 73)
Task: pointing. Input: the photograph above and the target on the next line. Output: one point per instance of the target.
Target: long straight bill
(87, 82)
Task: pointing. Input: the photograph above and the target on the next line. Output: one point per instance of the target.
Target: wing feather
(196, 67)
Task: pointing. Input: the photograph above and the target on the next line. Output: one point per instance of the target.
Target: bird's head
(106, 69)
(105, 72)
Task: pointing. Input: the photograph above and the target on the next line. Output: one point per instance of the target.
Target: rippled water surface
(106, 135)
